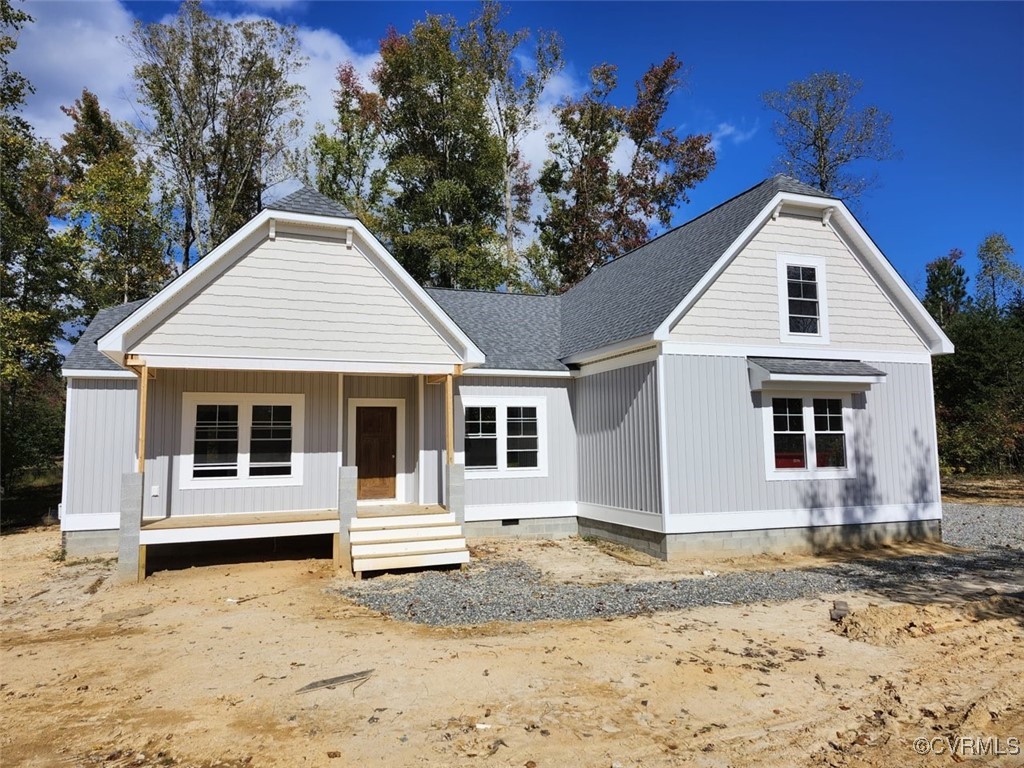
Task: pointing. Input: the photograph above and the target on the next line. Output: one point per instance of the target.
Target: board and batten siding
(560, 483)
(319, 489)
(716, 453)
(742, 305)
(99, 445)
(300, 297)
(390, 388)
(617, 439)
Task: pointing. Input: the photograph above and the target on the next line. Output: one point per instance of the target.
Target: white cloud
(728, 131)
(70, 46)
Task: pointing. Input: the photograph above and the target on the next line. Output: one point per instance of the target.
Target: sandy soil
(200, 667)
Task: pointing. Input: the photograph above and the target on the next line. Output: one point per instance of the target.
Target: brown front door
(376, 438)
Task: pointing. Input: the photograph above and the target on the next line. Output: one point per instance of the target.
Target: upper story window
(239, 440)
(807, 436)
(803, 314)
(505, 436)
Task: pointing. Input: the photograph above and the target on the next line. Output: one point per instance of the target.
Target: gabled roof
(84, 356)
(307, 200)
(632, 295)
(515, 331)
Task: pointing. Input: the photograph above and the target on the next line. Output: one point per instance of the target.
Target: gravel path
(514, 591)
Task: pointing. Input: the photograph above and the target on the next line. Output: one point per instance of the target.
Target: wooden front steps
(388, 538)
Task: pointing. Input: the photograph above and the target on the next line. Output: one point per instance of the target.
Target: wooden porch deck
(278, 518)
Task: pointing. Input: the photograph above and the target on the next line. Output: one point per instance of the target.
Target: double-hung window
(807, 436)
(505, 436)
(238, 440)
(803, 308)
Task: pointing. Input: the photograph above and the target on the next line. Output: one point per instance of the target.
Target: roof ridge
(498, 293)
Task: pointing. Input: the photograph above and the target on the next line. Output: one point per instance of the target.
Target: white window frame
(501, 404)
(811, 471)
(785, 260)
(245, 402)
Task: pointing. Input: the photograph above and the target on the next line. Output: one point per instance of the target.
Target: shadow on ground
(178, 557)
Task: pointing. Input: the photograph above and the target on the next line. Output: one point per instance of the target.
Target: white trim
(529, 510)
(810, 472)
(938, 343)
(662, 436)
(308, 365)
(113, 343)
(235, 532)
(640, 356)
(62, 507)
(934, 436)
(608, 350)
(421, 461)
(98, 521)
(517, 372)
(784, 260)
(743, 350)
(244, 401)
(501, 403)
(401, 470)
(767, 519)
(82, 373)
(632, 518)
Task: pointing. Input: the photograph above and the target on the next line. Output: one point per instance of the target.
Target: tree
(946, 288)
(825, 138)
(108, 202)
(513, 96)
(998, 276)
(345, 163)
(596, 212)
(442, 162)
(36, 275)
(220, 105)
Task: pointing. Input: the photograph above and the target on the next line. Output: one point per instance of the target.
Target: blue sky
(951, 74)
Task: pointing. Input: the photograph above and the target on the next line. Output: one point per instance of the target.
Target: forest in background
(428, 152)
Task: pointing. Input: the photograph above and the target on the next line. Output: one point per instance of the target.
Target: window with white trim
(803, 308)
(807, 436)
(241, 440)
(505, 436)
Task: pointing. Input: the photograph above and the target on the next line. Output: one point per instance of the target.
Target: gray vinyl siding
(396, 388)
(319, 489)
(560, 483)
(715, 442)
(617, 426)
(99, 444)
(433, 444)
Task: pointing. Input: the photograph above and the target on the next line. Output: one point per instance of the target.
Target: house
(758, 379)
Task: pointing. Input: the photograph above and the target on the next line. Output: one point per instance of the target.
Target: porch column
(131, 556)
(455, 474)
(348, 479)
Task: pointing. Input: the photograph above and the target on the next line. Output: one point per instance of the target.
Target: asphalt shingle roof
(632, 296)
(805, 367)
(308, 200)
(514, 330)
(84, 356)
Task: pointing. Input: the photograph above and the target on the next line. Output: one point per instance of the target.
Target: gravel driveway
(514, 591)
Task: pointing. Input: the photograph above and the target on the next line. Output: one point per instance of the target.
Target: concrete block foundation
(89, 543)
(778, 541)
(535, 528)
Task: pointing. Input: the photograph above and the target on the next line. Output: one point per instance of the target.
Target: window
(240, 440)
(802, 290)
(803, 309)
(481, 437)
(806, 437)
(788, 415)
(829, 434)
(505, 436)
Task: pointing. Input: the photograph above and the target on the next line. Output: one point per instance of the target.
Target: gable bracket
(826, 214)
(777, 211)
(348, 238)
(273, 229)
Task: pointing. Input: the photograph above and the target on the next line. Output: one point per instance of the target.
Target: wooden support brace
(337, 551)
(143, 398)
(142, 562)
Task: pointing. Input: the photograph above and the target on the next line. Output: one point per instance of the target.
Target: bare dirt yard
(199, 666)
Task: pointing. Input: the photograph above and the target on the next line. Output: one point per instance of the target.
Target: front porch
(233, 455)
